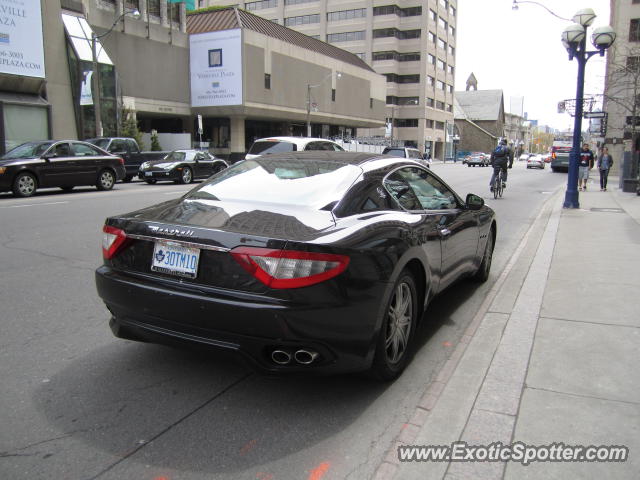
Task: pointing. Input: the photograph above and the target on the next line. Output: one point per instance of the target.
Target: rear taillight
(113, 240)
(289, 268)
(121, 161)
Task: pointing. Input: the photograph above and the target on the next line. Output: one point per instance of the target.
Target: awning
(79, 33)
(23, 99)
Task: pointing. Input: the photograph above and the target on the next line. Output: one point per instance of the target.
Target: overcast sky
(519, 52)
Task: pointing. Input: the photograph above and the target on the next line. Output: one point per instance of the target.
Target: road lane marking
(34, 204)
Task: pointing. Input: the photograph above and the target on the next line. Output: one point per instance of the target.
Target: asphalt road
(78, 403)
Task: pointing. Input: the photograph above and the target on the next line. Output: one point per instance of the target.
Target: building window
(450, 88)
(428, 123)
(634, 30)
(433, 15)
(432, 37)
(633, 63)
(395, 78)
(441, 64)
(394, 32)
(440, 85)
(431, 59)
(370, 102)
(439, 125)
(296, 2)
(452, 31)
(452, 10)
(442, 44)
(406, 122)
(345, 36)
(395, 10)
(361, 56)
(443, 4)
(301, 20)
(439, 105)
(346, 14)
(442, 23)
(452, 50)
(430, 102)
(153, 8)
(261, 5)
(449, 107)
(450, 69)
(393, 55)
(430, 81)
(402, 101)
(267, 81)
(333, 94)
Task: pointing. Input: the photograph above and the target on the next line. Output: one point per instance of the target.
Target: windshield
(175, 157)
(28, 150)
(100, 142)
(304, 183)
(271, 146)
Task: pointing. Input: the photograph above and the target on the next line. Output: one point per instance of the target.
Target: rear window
(308, 183)
(100, 142)
(396, 152)
(266, 147)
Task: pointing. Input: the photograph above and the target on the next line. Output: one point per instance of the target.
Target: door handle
(445, 232)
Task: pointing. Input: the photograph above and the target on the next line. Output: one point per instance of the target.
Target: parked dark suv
(64, 164)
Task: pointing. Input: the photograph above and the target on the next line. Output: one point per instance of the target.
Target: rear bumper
(341, 330)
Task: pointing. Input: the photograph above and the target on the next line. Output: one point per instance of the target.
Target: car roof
(367, 161)
(300, 141)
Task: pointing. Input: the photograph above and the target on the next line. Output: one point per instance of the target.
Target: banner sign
(21, 46)
(216, 68)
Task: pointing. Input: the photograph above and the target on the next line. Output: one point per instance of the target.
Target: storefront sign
(21, 47)
(216, 68)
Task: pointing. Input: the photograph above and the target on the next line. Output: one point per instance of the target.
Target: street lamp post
(309, 87)
(95, 77)
(574, 38)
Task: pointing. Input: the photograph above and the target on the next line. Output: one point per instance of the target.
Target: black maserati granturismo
(302, 261)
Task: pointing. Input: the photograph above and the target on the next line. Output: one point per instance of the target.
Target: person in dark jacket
(605, 162)
(585, 163)
(501, 159)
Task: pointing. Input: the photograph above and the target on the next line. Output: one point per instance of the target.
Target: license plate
(148, 174)
(175, 259)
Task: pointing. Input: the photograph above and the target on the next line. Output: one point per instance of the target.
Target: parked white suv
(266, 146)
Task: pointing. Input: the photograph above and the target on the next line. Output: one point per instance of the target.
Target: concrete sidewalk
(552, 357)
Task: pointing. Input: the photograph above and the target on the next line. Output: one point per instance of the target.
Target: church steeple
(472, 81)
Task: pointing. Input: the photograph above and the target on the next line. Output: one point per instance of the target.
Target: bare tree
(623, 90)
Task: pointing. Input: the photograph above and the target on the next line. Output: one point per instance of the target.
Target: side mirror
(474, 202)
(48, 156)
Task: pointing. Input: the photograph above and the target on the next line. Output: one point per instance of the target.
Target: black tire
(394, 341)
(68, 188)
(186, 176)
(106, 180)
(484, 269)
(24, 185)
(127, 179)
(150, 181)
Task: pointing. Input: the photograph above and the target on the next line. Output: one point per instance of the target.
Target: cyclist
(501, 159)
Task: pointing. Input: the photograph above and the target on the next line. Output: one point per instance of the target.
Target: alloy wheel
(186, 175)
(399, 323)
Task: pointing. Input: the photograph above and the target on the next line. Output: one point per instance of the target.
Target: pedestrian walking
(605, 162)
(585, 163)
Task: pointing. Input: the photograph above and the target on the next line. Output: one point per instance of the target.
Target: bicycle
(498, 184)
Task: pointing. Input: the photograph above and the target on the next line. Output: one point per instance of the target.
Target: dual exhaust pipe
(303, 357)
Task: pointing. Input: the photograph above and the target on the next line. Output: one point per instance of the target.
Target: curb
(409, 431)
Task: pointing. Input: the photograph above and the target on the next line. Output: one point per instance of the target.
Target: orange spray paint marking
(161, 478)
(248, 447)
(318, 472)
(264, 476)
(447, 344)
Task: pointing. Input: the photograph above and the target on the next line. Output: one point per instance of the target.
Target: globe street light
(309, 87)
(97, 110)
(574, 39)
